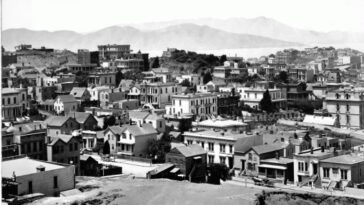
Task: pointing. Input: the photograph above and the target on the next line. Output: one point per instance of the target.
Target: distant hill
(182, 36)
(265, 27)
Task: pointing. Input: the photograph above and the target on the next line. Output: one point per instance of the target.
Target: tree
(109, 121)
(155, 63)
(118, 77)
(222, 59)
(266, 102)
(282, 77)
(207, 77)
(186, 83)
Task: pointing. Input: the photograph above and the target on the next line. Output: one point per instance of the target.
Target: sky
(90, 15)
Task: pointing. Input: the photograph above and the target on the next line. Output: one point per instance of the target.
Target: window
(211, 146)
(250, 156)
(222, 160)
(326, 172)
(337, 96)
(211, 159)
(30, 187)
(347, 119)
(55, 182)
(337, 107)
(160, 124)
(203, 144)
(348, 108)
(251, 166)
(335, 170)
(344, 174)
(8, 101)
(189, 142)
(180, 103)
(302, 166)
(222, 148)
(130, 136)
(76, 146)
(231, 148)
(123, 135)
(70, 147)
(3, 101)
(14, 100)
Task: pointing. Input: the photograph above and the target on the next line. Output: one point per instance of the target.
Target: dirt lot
(126, 190)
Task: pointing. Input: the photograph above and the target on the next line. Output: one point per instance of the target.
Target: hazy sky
(90, 15)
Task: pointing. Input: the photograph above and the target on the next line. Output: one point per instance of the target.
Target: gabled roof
(117, 130)
(64, 138)
(144, 129)
(56, 120)
(78, 92)
(154, 117)
(138, 115)
(242, 145)
(80, 117)
(191, 150)
(261, 149)
(67, 98)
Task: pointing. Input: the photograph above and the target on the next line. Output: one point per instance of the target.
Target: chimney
(40, 168)
(322, 149)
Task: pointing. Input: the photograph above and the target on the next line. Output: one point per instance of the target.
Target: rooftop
(77, 92)
(215, 134)
(281, 160)
(265, 148)
(67, 98)
(345, 159)
(191, 150)
(221, 123)
(25, 166)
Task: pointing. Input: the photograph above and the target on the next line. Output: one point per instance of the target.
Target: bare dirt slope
(126, 190)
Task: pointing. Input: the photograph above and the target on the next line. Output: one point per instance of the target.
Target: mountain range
(193, 34)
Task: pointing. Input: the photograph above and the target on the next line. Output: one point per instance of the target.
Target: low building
(102, 78)
(190, 161)
(61, 125)
(218, 144)
(66, 104)
(24, 176)
(64, 149)
(86, 120)
(128, 104)
(109, 96)
(80, 94)
(251, 159)
(129, 140)
(222, 124)
(198, 104)
(14, 103)
(279, 169)
(342, 171)
(157, 121)
(306, 165)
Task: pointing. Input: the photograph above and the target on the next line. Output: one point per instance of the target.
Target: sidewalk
(349, 192)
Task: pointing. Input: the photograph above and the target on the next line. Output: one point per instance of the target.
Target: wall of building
(43, 181)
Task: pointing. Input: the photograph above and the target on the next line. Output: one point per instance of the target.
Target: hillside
(265, 27)
(184, 36)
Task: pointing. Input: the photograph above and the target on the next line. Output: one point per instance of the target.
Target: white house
(66, 104)
(199, 104)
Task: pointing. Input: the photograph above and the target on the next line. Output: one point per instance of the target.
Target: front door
(314, 166)
(242, 164)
